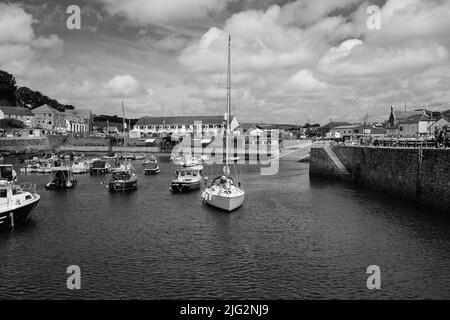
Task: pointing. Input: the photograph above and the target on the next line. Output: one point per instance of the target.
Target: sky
(292, 61)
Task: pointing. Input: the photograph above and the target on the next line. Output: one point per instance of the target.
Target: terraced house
(21, 114)
(181, 125)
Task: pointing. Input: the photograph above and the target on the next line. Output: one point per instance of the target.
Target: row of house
(181, 125)
(50, 120)
(401, 124)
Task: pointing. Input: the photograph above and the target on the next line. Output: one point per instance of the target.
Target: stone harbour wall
(420, 175)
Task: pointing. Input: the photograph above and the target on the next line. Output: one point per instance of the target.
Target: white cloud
(354, 58)
(304, 81)
(20, 50)
(144, 12)
(124, 86)
(15, 24)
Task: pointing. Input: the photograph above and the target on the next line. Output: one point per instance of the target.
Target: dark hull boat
(150, 172)
(179, 187)
(62, 178)
(123, 180)
(99, 167)
(118, 186)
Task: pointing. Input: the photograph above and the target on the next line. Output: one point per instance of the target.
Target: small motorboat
(99, 167)
(127, 156)
(80, 167)
(151, 166)
(45, 167)
(17, 204)
(187, 179)
(110, 157)
(187, 160)
(123, 179)
(139, 157)
(62, 178)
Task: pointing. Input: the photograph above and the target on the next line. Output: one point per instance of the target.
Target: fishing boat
(151, 166)
(187, 179)
(225, 191)
(62, 178)
(98, 167)
(17, 203)
(123, 179)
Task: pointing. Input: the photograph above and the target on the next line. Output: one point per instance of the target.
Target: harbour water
(294, 238)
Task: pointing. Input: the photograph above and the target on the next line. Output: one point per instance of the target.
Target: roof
(181, 120)
(353, 126)
(16, 111)
(45, 109)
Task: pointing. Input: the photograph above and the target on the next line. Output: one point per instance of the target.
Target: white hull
(227, 203)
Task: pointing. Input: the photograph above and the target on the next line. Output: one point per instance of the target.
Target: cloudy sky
(291, 60)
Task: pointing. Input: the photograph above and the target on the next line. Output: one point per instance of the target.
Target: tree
(11, 123)
(7, 89)
(35, 99)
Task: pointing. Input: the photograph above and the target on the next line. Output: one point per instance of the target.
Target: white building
(182, 125)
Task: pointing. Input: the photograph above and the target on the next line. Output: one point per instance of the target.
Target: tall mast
(123, 120)
(228, 104)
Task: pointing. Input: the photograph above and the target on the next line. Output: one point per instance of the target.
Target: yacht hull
(18, 215)
(225, 203)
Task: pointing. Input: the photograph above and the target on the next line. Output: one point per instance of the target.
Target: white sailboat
(225, 192)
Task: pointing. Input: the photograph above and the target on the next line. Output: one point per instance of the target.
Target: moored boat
(225, 192)
(187, 179)
(151, 166)
(99, 167)
(123, 179)
(17, 203)
(62, 178)
(80, 167)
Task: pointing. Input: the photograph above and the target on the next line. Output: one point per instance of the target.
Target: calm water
(293, 239)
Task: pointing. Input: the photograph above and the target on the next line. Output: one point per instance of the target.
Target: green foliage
(35, 99)
(7, 81)
(11, 123)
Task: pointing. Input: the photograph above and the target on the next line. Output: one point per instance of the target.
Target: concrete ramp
(340, 167)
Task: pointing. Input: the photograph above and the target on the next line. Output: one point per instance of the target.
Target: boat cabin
(7, 173)
(189, 172)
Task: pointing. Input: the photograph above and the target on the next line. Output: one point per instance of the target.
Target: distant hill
(25, 97)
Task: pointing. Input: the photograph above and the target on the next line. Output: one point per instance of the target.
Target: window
(3, 193)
